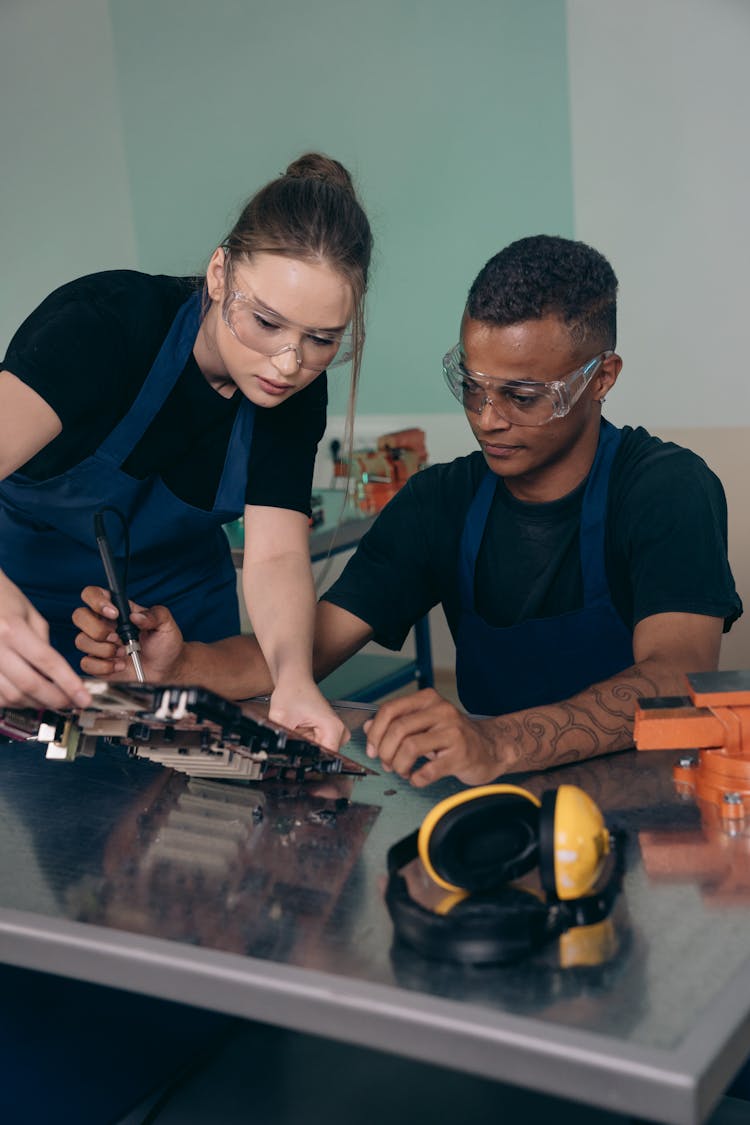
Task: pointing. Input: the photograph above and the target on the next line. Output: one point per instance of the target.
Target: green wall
(64, 194)
(452, 117)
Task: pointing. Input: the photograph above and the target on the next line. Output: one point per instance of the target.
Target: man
(580, 567)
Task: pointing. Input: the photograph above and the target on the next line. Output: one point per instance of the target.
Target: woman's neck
(208, 358)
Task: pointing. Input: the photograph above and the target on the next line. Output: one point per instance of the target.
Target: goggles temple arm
(569, 393)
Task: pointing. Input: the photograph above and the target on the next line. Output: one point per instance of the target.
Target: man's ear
(606, 376)
(215, 274)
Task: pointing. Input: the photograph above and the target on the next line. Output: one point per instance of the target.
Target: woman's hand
(300, 706)
(161, 641)
(32, 673)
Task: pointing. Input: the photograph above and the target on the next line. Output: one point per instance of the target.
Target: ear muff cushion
(490, 928)
(483, 841)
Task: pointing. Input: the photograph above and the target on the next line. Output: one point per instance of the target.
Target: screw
(687, 761)
(733, 798)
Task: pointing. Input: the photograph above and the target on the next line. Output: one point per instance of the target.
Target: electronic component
(189, 729)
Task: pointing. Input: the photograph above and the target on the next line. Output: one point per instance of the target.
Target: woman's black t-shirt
(87, 350)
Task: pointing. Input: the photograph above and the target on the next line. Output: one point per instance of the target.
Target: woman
(183, 403)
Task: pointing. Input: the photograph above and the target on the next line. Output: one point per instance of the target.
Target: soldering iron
(126, 630)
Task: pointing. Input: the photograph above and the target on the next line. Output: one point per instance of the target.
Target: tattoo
(597, 721)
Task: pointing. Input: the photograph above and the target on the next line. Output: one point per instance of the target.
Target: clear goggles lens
(520, 402)
(256, 329)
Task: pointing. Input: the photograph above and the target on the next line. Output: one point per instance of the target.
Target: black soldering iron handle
(126, 630)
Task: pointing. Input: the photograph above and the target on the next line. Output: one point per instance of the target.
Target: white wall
(659, 99)
(64, 191)
(660, 96)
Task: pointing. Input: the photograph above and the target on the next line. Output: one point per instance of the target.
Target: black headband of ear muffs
(492, 926)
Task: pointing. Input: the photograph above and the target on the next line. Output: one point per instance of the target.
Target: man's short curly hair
(545, 274)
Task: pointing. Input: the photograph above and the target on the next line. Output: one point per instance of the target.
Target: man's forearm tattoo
(598, 721)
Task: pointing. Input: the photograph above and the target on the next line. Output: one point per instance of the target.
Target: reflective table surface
(265, 900)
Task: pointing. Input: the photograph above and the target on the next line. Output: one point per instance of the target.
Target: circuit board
(189, 729)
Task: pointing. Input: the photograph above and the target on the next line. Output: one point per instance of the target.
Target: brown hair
(311, 212)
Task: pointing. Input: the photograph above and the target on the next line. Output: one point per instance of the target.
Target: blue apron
(180, 556)
(547, 659)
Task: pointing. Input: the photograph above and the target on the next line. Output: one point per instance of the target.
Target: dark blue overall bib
(542, 660)
(180, 556)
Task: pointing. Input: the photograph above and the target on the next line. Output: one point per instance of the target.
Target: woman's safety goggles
(521, 402)
(266, 332)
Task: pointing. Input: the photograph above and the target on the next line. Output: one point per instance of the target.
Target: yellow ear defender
(480, 838)
(476, 843)
(573, 842)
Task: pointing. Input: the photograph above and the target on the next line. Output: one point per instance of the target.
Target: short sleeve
(86, 350)
(65, 350)
(389, 582)
(674, 535)
(285, 443)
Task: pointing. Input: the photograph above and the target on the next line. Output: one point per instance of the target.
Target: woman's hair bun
(316, 166)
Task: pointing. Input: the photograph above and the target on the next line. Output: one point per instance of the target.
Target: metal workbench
(266, 901)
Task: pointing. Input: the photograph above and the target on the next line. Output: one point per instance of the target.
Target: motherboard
(189, 729)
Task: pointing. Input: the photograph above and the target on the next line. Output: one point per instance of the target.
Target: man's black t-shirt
(665, 546)
(87, 350)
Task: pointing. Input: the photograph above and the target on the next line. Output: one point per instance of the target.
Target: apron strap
(235, 462)
(164, 373)
(594, 518)
(471, 538)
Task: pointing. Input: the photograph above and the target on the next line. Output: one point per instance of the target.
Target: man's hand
(162, 645)
(32, 673)
(599, 720)
(425, 725)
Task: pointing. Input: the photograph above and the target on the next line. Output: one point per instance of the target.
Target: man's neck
(558, 478)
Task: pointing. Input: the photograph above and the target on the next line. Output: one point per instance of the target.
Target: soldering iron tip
(135, 657)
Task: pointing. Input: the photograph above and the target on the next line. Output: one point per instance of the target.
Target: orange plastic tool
(712, 726)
